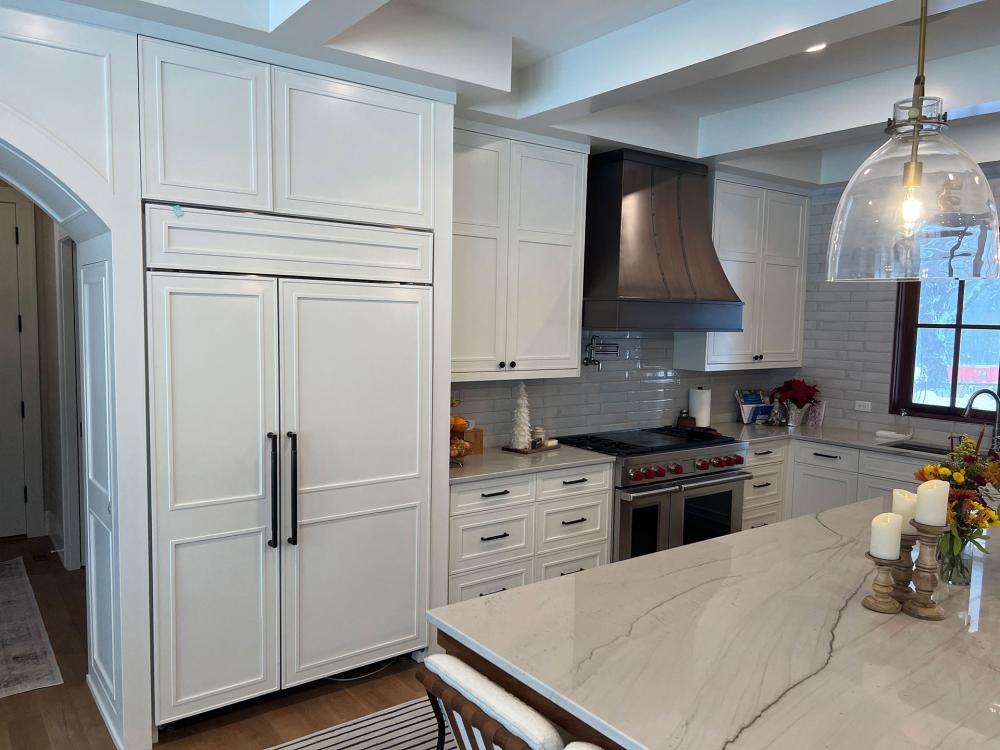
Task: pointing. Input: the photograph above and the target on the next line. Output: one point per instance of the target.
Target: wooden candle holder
(881, 600)
(925, 578)
(902, 572)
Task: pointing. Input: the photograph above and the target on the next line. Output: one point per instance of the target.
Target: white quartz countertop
(753, 640)
(494, 463)
(830, 435)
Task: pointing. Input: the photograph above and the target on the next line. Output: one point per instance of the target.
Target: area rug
(408, 726)
(26, 658)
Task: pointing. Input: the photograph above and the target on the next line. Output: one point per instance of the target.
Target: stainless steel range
(673, 486)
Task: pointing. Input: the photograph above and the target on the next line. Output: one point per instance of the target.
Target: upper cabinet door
(479, 252)
(783, 277)
(546, 258)
(740, 346)
(205, 127)
(344, 151)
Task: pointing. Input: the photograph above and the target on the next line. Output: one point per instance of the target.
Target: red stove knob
(718, 461)
(738, 460)
(660, 471)
(730, 461)
(649, 473)
(701, 464)
(635, 475)
(677, 468)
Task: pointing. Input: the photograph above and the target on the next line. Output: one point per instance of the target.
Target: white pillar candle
(932, 502)
(905, 503)
(886, 529)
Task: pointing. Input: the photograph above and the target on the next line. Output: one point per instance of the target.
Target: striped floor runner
(408, 726)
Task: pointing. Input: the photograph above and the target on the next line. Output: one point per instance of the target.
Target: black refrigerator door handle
(273, 541)
(294, 538)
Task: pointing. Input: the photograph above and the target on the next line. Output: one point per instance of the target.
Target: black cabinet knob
(501, 365)
(513, 365)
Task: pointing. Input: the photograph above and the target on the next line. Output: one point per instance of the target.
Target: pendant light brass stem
(911, 173)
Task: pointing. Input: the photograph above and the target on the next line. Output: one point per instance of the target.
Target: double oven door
(668, 515)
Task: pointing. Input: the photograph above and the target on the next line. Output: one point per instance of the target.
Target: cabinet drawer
(570, 561)
(493, 493)
(767, 453)
(767, 486)
(484, 538)
(831, 456)
(489, 581)
(889, 466)
(762, 516)
(565, 482)
(572, 520)
(202, 239)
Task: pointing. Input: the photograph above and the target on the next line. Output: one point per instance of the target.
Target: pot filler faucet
(996, 423)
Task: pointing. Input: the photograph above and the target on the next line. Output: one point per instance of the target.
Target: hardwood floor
(65, 716)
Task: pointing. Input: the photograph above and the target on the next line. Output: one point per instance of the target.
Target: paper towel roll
(700, 406)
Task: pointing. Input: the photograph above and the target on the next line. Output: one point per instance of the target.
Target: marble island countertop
(754, 640)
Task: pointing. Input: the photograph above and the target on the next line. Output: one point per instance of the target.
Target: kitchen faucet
(996, 422)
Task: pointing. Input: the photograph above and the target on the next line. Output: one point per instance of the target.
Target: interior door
(213, 401)
(13, 519)
(546, 258)
(355, 403)
(479, 278)
(97, 469)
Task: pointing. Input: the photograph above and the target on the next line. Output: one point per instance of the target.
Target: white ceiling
(542, 28)
(724, 81)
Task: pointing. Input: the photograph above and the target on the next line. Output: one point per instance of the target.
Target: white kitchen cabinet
(518, 259)
(213, 400)
(817, 489)
(203, 239)
(354, 585)
(257, 586)
(766, 495)
(760, 236)
(509, 531)
(205, 127)
(345, 151)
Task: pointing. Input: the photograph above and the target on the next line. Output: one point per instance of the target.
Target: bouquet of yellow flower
(969, 514)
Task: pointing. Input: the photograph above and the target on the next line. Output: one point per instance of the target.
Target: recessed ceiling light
(817, 47)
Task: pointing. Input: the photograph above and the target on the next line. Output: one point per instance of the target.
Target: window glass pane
(982, 303)
(933, 365)
(938, 301)
(978, 367)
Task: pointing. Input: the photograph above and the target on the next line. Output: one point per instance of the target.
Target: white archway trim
(69, 121)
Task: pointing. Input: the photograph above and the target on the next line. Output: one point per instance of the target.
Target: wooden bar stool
(484, 716)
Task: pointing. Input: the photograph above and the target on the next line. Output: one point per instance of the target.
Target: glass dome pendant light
(919, 208)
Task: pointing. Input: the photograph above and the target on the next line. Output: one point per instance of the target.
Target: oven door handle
(739, 476)
(628, 497)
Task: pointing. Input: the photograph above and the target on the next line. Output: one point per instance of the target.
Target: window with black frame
(947, 347)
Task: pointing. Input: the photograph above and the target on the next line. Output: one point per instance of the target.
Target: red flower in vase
(796, 390)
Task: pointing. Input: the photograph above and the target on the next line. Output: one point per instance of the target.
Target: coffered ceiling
(727, 81)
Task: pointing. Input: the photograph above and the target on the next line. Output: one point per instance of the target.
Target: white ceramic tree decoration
(521, 439)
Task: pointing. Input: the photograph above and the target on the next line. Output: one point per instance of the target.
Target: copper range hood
(650, 264)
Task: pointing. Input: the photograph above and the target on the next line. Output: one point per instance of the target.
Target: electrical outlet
(862, 406)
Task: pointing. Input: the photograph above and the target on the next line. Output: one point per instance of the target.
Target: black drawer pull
(825, 455)
(494, 494)
(581, 519)
(494, 537)
(489, 593)
(575, 481)
(761, 486)
(571, 572)
(763, 453)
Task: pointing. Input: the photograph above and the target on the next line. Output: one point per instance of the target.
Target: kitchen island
(753, 640)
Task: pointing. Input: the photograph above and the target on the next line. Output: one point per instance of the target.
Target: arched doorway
(69, 141)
